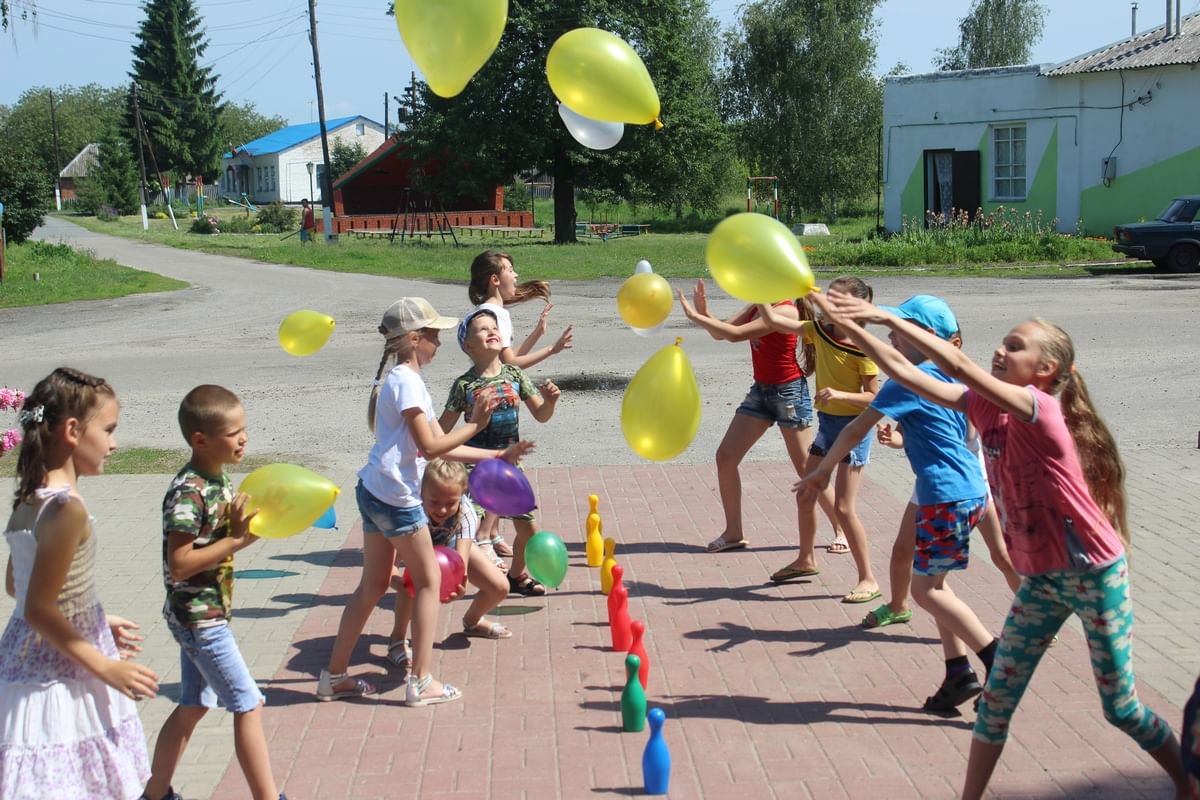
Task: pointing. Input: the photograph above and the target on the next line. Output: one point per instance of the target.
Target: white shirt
(503, 321)
(395, 466)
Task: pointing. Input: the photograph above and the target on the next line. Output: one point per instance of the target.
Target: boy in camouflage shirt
(204, 524)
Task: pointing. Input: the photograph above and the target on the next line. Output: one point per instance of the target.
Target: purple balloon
(501, 488)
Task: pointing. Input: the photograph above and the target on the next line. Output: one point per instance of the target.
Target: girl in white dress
(68, 723)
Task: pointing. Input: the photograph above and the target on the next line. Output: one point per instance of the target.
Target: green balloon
(546, 557)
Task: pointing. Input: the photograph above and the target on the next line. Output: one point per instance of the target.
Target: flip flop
(862, 596)
(839, 547)
(884, 616)
(788, 573)
(720, 545)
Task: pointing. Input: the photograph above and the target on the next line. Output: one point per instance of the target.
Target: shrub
(238, 223)
(516, 196)
(277, 217)
(205, 224)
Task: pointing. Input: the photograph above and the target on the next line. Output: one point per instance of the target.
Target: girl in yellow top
(846, 382)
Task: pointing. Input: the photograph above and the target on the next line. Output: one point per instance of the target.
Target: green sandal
(884, 616)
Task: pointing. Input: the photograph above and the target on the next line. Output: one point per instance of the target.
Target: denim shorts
(785, 403)
(213, 671)
(390, 520)
(828, 428)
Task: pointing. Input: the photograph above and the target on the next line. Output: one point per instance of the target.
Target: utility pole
(57, 160)
(385, 116)
(137, 117)
(154, 163)
(326, 183)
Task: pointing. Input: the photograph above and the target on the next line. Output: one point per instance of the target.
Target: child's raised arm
(525, 360)
(742, 326)
(778, 321)
(542, 404)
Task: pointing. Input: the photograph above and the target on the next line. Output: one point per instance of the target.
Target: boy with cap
(951, 496)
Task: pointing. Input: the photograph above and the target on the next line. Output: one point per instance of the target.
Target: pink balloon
(454, 572)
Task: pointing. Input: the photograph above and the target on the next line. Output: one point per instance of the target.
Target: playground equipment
(246, 204)
(773, 183)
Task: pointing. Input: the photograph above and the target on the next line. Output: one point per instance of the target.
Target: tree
(506, 122)
(815, 123)
(344, 155)
(28, 11)
(178, 98)
(241, 123)
(113, 183)
(25, 192)
(995, 33)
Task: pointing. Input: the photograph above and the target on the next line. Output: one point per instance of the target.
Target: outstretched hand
(811, 484)
(124, 636)
(543, 322)
(842, 306)
(513, 453)
(564, 341)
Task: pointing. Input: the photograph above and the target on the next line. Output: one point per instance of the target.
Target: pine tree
(179, 102)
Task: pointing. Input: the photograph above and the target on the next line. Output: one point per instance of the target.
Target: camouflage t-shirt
(512, 386)
(198, 505)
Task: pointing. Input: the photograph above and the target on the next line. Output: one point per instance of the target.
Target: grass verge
(152, 461)
(39, 273)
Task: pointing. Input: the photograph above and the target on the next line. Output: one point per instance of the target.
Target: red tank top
(774, 356)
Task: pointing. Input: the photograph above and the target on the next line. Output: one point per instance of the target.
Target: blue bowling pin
(656, 758)
(327, 520)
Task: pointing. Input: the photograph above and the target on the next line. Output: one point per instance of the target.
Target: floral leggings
(1101, 600)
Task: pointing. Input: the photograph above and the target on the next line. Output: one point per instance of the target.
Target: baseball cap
(928, 312)
(466, 323)
(412, 314)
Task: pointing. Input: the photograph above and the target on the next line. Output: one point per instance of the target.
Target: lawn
(39, 273)
(150, 461)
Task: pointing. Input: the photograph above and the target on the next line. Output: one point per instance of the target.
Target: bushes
(276, 218)
(205, 224)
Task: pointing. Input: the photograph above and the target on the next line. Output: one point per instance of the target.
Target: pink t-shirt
(1050, 520)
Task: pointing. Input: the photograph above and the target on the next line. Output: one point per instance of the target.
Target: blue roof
(289, 137)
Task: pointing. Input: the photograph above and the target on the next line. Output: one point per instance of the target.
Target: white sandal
(327, 681)
(399, 654)
(412, 692)
(487, 630)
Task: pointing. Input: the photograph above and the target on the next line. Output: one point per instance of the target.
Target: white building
(287, 165)
(1103, 138)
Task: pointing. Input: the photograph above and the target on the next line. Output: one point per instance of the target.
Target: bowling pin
(633, 698)
(595, 540)
(618, 622)
(656, 758)
(610, 560)
(638, 648)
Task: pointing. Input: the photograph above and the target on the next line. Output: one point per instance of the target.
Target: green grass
(39, 273)
(152, 461)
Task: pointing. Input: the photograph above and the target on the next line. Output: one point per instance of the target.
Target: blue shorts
(212, 670)
(944, 535)
(390, 520)
(829, 426)
(785, 403)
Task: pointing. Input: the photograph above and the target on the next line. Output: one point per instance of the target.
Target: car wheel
(1161, 263)
(1183, 258)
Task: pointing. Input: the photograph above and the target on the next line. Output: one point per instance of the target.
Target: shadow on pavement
(828, 639)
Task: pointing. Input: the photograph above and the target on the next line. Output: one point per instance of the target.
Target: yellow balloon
(660, 413)
(288, 499)
(644, 300)
(596, 74)
(756, 258)
(450, 39)
(303, 333)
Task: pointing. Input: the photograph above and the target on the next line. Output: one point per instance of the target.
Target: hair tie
(35, 415)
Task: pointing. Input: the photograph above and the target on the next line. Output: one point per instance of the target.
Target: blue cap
(929, 312)
(466, 322)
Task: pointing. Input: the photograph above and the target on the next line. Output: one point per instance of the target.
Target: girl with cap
(395, 527)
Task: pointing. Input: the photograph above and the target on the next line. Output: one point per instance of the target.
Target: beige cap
(412, 314)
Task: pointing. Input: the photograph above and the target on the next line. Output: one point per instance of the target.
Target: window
(360, 129)
(258, 179)
(1008, 163)
(272, 186)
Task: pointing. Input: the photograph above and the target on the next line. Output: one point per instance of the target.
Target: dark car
(1172, 241)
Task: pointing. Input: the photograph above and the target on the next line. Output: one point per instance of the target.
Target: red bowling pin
(637, 648)
(618, 603)
(618, 573)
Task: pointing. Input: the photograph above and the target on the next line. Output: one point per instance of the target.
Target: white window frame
(360, 129)
(1010, 170)
(272, 168)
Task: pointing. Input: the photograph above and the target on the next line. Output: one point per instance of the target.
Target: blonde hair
(445, 473)
(204, 409)
(397, 348)
(1099, 457)
(491, 262)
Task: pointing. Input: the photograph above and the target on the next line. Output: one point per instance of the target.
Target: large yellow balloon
(644, 300)
(450, 39)
(303, 333)
(596, 74)
(660, 413)
(288, 499)
(757, 259)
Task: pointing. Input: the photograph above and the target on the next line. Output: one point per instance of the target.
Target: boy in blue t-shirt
(951, 498)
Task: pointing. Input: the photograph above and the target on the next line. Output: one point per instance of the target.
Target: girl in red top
(779, 395)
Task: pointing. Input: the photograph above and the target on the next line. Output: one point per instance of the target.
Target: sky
(259, 48)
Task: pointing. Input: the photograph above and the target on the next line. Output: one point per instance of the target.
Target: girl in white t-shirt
(389, 498)
(493, 285)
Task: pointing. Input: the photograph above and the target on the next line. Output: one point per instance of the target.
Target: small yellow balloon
(288, 499)
(303, 333)
(450, 39)
(644, 300)
(756, 258)
(596, 74)
(660, 412)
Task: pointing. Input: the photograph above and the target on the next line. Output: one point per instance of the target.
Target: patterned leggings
(1101, 600)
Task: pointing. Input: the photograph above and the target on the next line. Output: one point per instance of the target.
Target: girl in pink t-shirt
(1058, 480)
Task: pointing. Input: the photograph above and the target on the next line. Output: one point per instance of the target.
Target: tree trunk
(564, 197)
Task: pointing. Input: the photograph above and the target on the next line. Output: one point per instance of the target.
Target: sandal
(399, 654)
(414, 687)
(721, 544)
(839, 546)
(526, 585)
(327, 681)
(862, 596)
(487, 630)
(884, 616)
(954, 692)
(501, 547)
(789, 572)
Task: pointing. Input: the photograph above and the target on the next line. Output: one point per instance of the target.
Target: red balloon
(454, 572)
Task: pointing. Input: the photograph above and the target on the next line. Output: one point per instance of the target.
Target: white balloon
(642, 266)
(648, 332)
(591, 133)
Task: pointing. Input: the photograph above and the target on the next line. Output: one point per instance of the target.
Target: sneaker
(954, 692)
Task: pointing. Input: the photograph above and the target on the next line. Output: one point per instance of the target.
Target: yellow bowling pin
(606, 578)
(595, 540)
